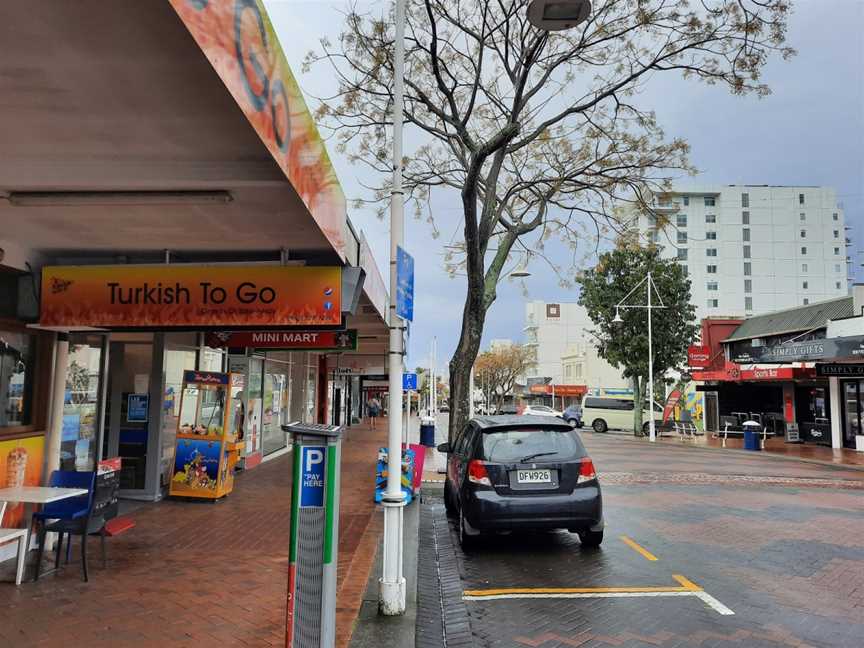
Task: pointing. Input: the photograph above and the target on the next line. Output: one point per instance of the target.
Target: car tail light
(477, 473)
(586, 471)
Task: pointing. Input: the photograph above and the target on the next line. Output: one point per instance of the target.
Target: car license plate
(533, 476)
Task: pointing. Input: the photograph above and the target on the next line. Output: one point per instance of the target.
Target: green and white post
(314, 539)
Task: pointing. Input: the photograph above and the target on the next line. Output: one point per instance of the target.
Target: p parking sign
(312, 465)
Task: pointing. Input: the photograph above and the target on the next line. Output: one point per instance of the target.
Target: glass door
(853, 390)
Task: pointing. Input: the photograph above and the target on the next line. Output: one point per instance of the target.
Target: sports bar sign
(303, 340)
(185, 295)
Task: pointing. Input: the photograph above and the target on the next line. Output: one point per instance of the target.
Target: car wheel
(573, 422)
(448, 499)
(467, 541)
(599, 426)
(591, 539)
(646, 428)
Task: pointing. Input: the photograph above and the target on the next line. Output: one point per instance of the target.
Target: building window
(748, 285)
(803, 233)
(686, 201)
(837, 285)
(748, 304)
(681, 220)
(711, 269)
(653, 236)
(835, 216)
(804, 285)
(746, 251)
(806, 301)
(837, 267)
(802, 217)
(800, 199)
(804, 251)
(684, 268)
(710, 218)
(711, 252)
(682, 237)
(836, 251)
(745, 218)
(682, 254)
(17, 373)
(553, 311)
(711, 236)
(748, 269)
(745, 199)
(745, 233)
(803, 267)
(710, 202)
(713, 303)
(712, 285)
(836, 233)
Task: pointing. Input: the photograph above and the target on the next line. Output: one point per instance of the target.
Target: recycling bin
(427, 432)
(752, 429)
(314, 537)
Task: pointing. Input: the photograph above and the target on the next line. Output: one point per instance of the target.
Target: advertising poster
(137, 405)
(20, 465)
(196, 465)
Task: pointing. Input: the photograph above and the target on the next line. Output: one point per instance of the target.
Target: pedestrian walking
(373, 406)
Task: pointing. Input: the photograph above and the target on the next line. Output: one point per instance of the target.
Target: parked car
(507, 409)
(540, 410)
(521, 472)
(616, 413)
(573, 415)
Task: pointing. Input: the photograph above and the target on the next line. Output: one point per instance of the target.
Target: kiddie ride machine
(207, 447)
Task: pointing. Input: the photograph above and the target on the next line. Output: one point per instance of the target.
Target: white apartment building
(561, 335)
(752, 249)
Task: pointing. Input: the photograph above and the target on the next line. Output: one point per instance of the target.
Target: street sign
(312, 476)
(409, 381)
(404, 284)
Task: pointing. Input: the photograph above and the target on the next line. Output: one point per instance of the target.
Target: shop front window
(853, 394)
(81, 404)
(16, 378)
(176, 362)
(311, 382)
(277, 381)
(255, 404)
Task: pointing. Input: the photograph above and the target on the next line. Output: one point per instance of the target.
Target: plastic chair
(72, 515)
(15, 534)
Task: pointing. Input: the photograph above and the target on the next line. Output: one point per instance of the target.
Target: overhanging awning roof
(793, 320)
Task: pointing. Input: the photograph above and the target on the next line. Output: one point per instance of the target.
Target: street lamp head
(557, 15)
(617, 319)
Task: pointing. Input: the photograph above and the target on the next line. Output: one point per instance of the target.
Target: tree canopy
(496, 370)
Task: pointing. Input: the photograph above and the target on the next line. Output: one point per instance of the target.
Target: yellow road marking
(638, 548)
(687, 583)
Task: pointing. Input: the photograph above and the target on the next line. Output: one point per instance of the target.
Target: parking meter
(314, 539)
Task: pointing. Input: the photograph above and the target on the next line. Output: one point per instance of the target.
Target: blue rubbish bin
(751, 435)
(427, 432)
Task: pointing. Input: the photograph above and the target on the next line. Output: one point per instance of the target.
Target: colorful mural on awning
(239, 41)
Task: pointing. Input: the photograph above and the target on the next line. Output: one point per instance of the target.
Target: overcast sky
(810, 131)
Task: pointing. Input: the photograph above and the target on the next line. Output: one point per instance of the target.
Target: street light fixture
(652, 289)
(557, 15)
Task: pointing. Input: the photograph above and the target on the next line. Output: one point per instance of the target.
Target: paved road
(779, 543)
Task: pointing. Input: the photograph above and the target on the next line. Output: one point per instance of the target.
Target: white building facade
(561, 335)
(753, 249)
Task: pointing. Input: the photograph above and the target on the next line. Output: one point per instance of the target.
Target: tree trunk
(637, 405)
(473, 318)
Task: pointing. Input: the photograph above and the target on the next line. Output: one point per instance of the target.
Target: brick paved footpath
(780, 542)
(198, 573)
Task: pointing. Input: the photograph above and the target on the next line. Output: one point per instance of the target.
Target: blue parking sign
(409, 381)
(312, 463)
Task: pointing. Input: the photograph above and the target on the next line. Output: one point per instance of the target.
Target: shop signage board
(302, 340)
(764, 373)
(404, 285)
(187, 295)
(840, 370)
(698, 356)
(811, 350)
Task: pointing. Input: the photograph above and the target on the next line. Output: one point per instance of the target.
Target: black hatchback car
(509, 473)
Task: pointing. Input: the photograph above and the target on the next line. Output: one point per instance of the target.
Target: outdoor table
(32, 495)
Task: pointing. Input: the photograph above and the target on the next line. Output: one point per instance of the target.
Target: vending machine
(207, 448)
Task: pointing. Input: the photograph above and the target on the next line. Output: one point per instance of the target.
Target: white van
(617, 413)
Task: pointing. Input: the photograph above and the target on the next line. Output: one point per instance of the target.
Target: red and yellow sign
(20, 465)
(309, 340)
(163, 296)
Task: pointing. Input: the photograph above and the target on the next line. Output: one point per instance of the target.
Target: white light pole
(391, 594)
(652, 288)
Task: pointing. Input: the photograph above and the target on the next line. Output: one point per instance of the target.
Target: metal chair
(15, 534)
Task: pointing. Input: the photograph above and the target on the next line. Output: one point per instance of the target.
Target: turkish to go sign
(162, 296)
(404, 285)
(308, 340)
(312, 475)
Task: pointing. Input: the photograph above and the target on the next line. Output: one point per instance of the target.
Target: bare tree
(497, 369)
(539, 132)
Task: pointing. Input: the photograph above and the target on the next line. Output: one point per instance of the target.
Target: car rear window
(511, 446)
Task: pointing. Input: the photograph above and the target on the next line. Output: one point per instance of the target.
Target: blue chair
(71, 516)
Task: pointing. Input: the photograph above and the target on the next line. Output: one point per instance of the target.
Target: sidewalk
(776, 446)
(198, 573)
